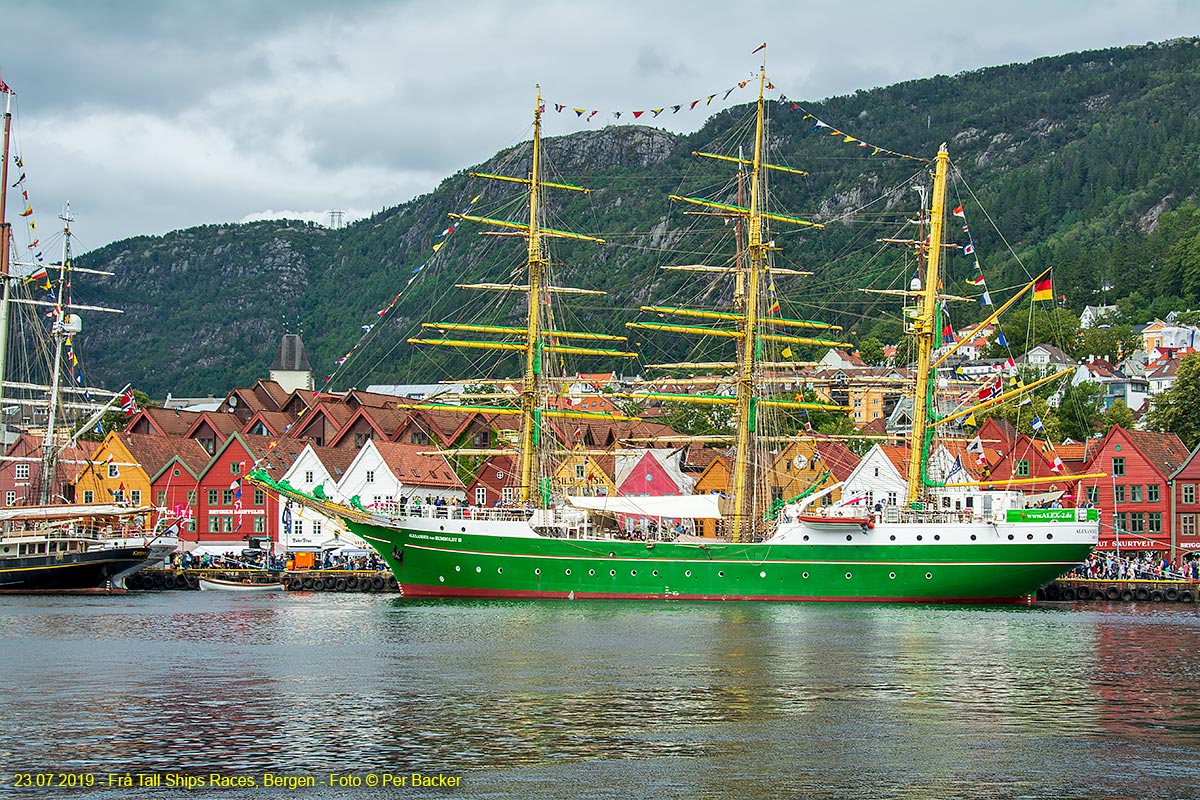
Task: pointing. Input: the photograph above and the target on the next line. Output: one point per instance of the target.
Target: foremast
(926, 331)
(539, 335)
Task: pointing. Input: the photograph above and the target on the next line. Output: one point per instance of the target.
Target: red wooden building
(1134, 501)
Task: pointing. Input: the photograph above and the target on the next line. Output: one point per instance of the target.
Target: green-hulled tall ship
(546, 548)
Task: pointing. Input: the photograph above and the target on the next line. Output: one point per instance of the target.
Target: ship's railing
(449, 512)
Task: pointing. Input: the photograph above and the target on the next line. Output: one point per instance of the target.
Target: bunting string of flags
(588, 114)
(380, 315)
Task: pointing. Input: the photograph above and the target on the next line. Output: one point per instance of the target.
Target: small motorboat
(246, 585)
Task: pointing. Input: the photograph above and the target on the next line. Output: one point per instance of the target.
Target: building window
(191, 501)
(892, 498)
(1154, 522)
(227, 497)
(1135, 493)
(361, 438)
(506, 494)
(370, 476)
(480, 439)
(1023, 468)
(316, 528)
(1119, 493)
(191, 526)
(235, 467)
(113, 472)
(579, 472)
(214, 524)
(480, 495)
(1137, 522)
(260, 523)
(260, 497)
(1118, 467)
(1152, 492)
(10, 498)
(1189, 493)
(135, 496)
(308, 477)
(420, 438)
(1187, 524)
(88, 496)
(119, 496)
(21, 472)
(1093, 494)
(160, 497)
(214, 497)
(1121, 522)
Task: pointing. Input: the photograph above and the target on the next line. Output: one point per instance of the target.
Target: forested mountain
(1086, 162)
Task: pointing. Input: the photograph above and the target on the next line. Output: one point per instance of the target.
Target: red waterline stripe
(418, 590)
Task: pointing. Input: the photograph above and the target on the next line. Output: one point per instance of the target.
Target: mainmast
(926, 330)
(745, 459)
(5, 247)
(528, 466)
(749, 324)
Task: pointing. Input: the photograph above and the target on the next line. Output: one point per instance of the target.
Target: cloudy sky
(154, 115)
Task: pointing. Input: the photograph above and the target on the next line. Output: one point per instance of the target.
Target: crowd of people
(1146, 565)
(266, 560)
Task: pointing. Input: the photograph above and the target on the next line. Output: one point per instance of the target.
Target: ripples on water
(604, 699)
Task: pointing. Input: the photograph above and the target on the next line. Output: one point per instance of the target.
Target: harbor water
(136, 695)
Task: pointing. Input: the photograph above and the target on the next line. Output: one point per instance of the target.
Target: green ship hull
(460, 564)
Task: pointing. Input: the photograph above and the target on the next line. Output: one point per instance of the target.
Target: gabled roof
(163, 421)
(276, 422)
(335, 460)
(223, 425)
(839, 459)
(1164, 452)
(413, 465)
(153, 452)
(385, 422)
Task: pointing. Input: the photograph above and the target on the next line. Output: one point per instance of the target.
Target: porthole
(612, 555)
(973, 537)
(633, 573)
(687, 574)
(806, 537)
(457, 568)
(892, 537)
(937, 537)
(1029, 537)
(655, 573)
(441, 578)
(499, 570)
(463, 529)
(849, 538)
(919, 537)
(591, 572)
(805, 576)
(612, 573)
(568, 572)
(1011, 537)
(441, 527)
(479, 569)
(849, 575)
(1049, 535)
(928, 576)
(762, 574)
(537, 571)
(721, 574)
(892, 575)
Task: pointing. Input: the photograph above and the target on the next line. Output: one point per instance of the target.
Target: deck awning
(683, 506)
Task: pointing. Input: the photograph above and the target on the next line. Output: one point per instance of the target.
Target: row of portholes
(633, 573)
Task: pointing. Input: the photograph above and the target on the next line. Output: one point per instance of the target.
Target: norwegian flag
(128, 404)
